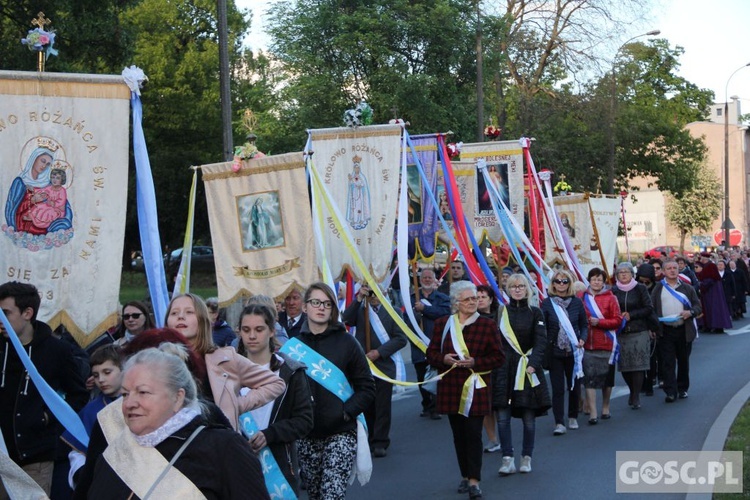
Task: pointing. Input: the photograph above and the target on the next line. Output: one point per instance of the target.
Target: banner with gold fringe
(64, 189)
(360, 168)
(261, 226)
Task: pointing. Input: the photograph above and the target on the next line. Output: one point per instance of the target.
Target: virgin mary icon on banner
(38, 214)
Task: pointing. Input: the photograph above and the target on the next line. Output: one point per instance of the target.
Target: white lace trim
(175, 423)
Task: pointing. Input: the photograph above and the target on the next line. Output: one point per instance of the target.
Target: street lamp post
(613, 111)
(727, 225)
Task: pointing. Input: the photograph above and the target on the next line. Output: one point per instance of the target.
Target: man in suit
(292, 317)
(367, 315)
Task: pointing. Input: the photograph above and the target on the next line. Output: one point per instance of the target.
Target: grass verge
(739, 440)
(133, 286)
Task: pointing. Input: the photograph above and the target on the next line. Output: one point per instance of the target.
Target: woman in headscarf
(635, 338)
(716, 316)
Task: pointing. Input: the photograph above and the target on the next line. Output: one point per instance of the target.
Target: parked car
(202, 261)
(670, 251)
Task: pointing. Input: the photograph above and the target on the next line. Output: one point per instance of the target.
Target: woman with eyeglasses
(135, 319)
(519, 388)
(465, 348)
(567, 331)
(635, 338)
(327, 454)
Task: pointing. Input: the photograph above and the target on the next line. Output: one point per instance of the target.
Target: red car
(656, 252)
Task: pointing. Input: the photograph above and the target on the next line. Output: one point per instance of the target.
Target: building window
(719, 111)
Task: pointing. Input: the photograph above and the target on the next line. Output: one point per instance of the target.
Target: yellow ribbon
(382, 376)
(473, 381)
(359, 264)
(521, 374)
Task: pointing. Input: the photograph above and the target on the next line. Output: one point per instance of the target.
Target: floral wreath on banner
(492, 132)
(361, 115)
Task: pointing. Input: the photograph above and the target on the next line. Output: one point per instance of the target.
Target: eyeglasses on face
(519, 286)
(327, 304)
(131, 315)
(563, 281)
(469, 299)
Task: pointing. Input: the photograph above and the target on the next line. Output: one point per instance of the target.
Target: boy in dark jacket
(29, 428)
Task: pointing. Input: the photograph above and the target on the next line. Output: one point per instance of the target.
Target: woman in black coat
(741, 288)
(527, 325)
(563, 351)
(290, 416)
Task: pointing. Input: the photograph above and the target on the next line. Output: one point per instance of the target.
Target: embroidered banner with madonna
(63, 185)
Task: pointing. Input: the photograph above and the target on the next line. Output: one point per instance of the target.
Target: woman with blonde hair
(567, 330)
(519, 388)
(227, 371)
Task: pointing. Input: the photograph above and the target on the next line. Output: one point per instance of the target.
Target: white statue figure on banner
(358, 197)
(260, 223)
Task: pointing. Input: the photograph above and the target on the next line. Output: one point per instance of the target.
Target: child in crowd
(106, 370)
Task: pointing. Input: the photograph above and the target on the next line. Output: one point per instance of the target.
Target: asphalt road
(581, 464)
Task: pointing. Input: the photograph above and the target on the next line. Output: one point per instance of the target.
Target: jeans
(506, 438)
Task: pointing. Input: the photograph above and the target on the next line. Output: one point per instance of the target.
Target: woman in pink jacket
(603, 313)
(227, 371)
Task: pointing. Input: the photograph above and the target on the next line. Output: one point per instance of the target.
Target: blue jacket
(577, 316)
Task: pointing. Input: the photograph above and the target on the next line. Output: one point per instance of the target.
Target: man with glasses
(381, 338)
(428, 304)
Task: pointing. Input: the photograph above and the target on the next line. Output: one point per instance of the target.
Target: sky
(711, 32)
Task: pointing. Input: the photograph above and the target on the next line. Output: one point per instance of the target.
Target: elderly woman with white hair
(635, 338)
(465, 348)
(168, 448)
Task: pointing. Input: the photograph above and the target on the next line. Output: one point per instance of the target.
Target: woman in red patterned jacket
(467, 347)
(603, 313)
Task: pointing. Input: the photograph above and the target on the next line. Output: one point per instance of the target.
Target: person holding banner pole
(677, 305)
(428, 304)
(465, 348)
(289, 417)
(381, 340)
(600, 348)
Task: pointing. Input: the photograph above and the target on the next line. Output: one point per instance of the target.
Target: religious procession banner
(605, 211)
(591, 223)
(64, 139)
(360, 171)
(261, 227)
(423, 218)
(505, 165)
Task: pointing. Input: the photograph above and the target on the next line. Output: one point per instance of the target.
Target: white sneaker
(559, 430)
(508, 467)
(525, 464)
(572, 423)
(492, 447)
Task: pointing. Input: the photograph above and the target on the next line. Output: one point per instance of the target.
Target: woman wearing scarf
(489, 307)
(465, 348)
(635, 339)
(519, 388)
(567, 330)
(603, 313)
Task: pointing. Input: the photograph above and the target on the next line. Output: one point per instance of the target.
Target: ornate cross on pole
(41, 21)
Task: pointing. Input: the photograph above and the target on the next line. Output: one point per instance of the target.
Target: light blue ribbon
(57, 405)
(148, 220)
(593, 308)
(276, 483)
(321, 370)
(567, 327)
(683, 300)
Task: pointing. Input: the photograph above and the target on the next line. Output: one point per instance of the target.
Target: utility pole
(226, 102)
(480, 79)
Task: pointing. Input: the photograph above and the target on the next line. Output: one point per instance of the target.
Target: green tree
(698, 207)
(412, 59)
